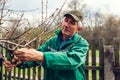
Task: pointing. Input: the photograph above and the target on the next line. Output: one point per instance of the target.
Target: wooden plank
(1, 62)
(116, 56)
(116, 69)
(39, 73)
(34, 73)
(101, 59)
(93, 59)
(116, 50)
(28, 73)
(87, 61)
(93, 68)
(14, 74)
(19, 76)
(9, 75)
(5, 74)
(24, 70)
(1, 68)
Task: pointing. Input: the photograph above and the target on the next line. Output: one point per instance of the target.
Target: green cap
(77, 15)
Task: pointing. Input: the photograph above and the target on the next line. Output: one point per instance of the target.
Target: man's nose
(66, 24)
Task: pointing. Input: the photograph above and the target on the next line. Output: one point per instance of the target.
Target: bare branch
(57, 14)
(21, 34)
(9, 42)
(1, 16)
(43, 33)
(13, 30)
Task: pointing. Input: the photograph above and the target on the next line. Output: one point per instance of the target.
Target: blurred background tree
(96, 25)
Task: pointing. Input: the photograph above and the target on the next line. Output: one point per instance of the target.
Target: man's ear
(80, 28)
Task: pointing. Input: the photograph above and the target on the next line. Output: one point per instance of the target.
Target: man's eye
(72, 22)
(66, 20)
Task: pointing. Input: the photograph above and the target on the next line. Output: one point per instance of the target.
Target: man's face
(69, 26)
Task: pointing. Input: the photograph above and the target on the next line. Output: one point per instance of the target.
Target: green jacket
(64, 62)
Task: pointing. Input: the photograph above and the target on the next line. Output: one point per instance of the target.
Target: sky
(111, 5)
(105, 6)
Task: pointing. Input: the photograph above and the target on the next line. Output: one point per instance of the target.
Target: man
(63, 56)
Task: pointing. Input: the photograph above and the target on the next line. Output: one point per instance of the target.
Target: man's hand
(16, 61)
(8, 65)
(26, 54)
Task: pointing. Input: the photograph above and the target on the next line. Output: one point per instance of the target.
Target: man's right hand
(8, 65)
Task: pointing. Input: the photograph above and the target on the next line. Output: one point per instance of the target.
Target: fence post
(108, 63)
(1, 63)
(116, 66)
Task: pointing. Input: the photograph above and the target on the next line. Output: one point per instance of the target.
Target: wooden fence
(116, 55)
(103, 63)
(95, 61)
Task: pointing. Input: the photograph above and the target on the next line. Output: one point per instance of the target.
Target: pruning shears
(10, 54)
